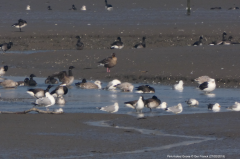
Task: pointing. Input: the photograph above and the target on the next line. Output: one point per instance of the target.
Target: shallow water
(85, 101)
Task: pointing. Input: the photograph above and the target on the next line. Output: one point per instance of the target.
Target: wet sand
(68, 136)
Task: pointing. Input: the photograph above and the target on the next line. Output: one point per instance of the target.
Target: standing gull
(140, 104)
(179, 86)
(46, 101)
(21, 23)
(28, 7)
(208, 86)
(175, 109)
(109, 62)
(110, 109)
(117, 44)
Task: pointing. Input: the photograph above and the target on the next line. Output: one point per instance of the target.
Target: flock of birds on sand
(45, 98)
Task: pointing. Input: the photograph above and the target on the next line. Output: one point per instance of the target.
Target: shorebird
(3, 70)
(110, 109)
(21, 23)
(79, 44)
(117, 44)
(88, 85)
(179, 86)
(38, 92)
(145, 89)
(214, 107)
(108, 7)
(208, 86)
(153, 102)
(141, 45)
(108, 62)
(192, 102)
(199, 42)
(32, 82)
(175, 109)
(63, 77)
(6, 46)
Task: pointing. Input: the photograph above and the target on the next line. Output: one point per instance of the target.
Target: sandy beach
(48, 44)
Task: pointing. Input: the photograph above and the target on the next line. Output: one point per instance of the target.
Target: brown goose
(64, 78)
(109, 62)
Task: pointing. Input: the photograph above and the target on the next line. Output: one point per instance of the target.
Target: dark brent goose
(179, 86)
(109, 62)
(221, 41)
(79, 83)
(152, 102)
(215, 8)
(125, 87)
(3, 70)
(175, 109)
(32, 82)
(73, 7)
(141, 45)
(132, 104)
(110, 109)
(23, 83)
(199, 42)
(208, 86)
(21, 23)
(192, 102)
(88, 85)
(145, 89)
(79, 44)
(49, 8)
(38, 92)
(64, 78)
(112, 84)
(51, 80)
(233, 8)
(9, 84)
(6, 46)
(108, 7)
(46, 101)
(214, 107)
(140, 104)
(117, 44)
(60, 90)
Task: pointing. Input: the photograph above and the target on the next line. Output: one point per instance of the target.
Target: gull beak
(219, 106)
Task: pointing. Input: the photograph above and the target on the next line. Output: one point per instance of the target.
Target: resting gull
(235, 107)
(125, 87)
(112, 84)
(192, 102)
(175, 109)
(110, 109)
(179, 86)
(208, 86)
(163, 105)
(214, 107)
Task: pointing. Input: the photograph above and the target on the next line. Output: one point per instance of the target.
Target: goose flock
(46, 98)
